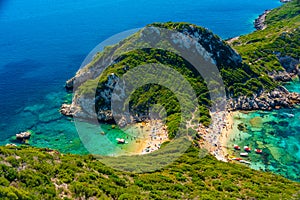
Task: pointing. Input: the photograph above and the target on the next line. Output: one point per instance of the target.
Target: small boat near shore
(245, 161)
(121, 141)
(237, 159)
(258, 151)
(247, 149)
(244, 154)
(236, 147)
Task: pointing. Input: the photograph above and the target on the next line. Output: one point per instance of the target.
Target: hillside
(29, 173)
(277, 47)
(263, 56)
(97, 80)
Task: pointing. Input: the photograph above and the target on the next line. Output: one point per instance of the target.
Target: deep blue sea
(43, 43)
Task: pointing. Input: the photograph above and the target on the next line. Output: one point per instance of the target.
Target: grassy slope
(282, 35)
(29, 173)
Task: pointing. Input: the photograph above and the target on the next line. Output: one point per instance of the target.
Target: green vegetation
(260, 49)
(146, 96)
(239, 77)
(30, 173)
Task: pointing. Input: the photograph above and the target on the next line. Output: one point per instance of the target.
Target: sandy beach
(215, 138)
(225, 133)
(150, 136)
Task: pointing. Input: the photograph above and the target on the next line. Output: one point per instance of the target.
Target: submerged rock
(256, 122)
(284, 123)
(260, 144)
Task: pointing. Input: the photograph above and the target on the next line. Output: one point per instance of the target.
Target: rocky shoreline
(285, 1)
(278, 98)
(259, 23)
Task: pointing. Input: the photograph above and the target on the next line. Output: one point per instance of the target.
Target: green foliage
(148, 95)
(260, 50)
(189, 177)
(31, 173)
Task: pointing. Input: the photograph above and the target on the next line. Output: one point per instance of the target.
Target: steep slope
(276, 48)
(239, 77)
(274, 51)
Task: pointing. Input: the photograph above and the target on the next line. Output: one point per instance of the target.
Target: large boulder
(23, 136)
(66, 110)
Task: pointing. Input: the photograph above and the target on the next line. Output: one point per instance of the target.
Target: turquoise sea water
(277, 133)
(42, 44)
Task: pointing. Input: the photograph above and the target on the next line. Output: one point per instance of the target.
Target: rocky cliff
(252, 79)
(121, 59)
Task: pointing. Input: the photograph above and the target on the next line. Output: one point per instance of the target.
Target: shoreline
(259, 23)
(228, 130)
(211, 136)
(217, 136)
(151, 135)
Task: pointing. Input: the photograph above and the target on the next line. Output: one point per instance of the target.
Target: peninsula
(253, 68)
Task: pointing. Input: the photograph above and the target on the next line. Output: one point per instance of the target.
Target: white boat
(245, 161)
(244, 154)
(246, 148)
(120, 140)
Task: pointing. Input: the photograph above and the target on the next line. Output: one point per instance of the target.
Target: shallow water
(42, 44)
(277, 133)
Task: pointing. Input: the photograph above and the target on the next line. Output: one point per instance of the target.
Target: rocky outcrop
(285, 1)
(23, 136)
(66, 110)
(259, 23)
(279, 98)
(291, 69)
(290, 64)
(83, 105)
(282, 76)
(105, 115)
(69, 84)
(220, 52)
